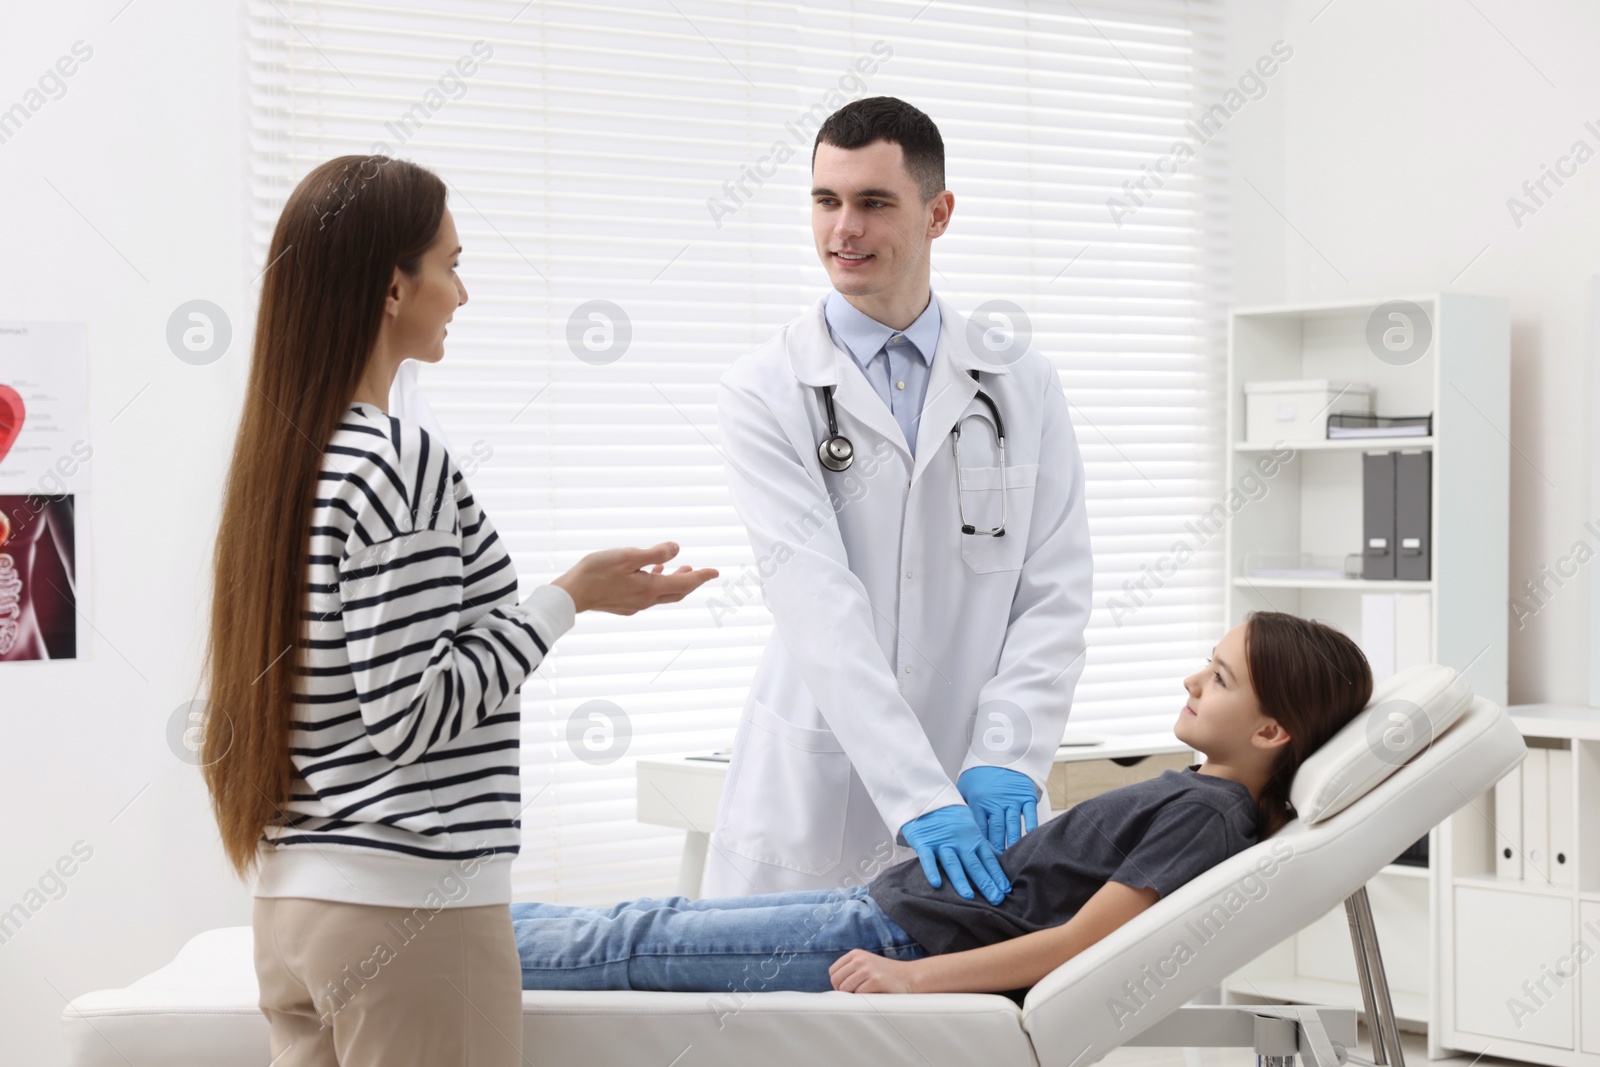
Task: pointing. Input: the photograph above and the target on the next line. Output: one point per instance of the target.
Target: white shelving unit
(1511, 931)
(1313, 505)
(1313, 502)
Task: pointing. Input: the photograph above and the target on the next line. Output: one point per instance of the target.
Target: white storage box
(1297, 410)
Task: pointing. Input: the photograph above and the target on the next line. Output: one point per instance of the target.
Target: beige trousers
(357, 985)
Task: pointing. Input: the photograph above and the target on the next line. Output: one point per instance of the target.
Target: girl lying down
(1275, 688)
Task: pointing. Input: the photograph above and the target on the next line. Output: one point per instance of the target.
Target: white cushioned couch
(1424, 748)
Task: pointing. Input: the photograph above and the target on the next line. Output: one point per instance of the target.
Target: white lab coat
(892, 626)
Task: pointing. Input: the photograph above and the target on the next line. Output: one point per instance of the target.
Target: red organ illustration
(11, 416)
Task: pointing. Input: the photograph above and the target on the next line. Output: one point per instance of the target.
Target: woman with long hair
(1275, 688)
(366, 647)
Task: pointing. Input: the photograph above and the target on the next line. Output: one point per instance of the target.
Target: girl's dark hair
(1310, 678)
(887, 118)
(343, 231)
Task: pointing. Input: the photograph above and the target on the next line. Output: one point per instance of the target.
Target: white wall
(1256, 153)
(1390, 141)
(1410, 125)
(146, 146)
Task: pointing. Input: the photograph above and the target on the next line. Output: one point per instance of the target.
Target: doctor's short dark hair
(886, 118)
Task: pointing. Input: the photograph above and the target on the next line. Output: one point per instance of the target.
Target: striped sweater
(407, 717)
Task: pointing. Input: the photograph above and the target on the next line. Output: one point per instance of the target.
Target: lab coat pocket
(787, 806)
(983, 503)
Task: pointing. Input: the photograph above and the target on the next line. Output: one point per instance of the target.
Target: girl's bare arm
(1014, 964)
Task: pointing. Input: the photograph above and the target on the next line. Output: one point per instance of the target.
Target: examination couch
(1424, 748)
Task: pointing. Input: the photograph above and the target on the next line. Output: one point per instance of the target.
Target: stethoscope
(837, 453)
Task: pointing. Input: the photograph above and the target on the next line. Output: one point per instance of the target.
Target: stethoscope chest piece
(836, 453)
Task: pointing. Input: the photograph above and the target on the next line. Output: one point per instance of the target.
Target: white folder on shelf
(1508, 823)
(1377, 633)
(1413, 629)
(1536, 816)
(1563, 841)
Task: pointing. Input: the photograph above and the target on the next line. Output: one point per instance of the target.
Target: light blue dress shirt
(895, 362)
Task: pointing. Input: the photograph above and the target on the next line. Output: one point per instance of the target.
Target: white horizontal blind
(656, 155)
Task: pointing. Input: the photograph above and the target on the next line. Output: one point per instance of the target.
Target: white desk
(683, 791)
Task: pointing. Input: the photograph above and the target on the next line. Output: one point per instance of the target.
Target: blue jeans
(729, 944)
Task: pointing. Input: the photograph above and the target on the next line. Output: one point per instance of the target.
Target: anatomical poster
(44, 447)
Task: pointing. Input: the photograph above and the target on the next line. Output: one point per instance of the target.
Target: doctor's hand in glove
(616, 580)
(951, 836)
(1001, 799)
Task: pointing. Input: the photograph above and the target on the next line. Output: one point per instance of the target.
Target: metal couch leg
(1381, 1025)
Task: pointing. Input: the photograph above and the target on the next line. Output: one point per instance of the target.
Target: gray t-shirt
(1160, 832)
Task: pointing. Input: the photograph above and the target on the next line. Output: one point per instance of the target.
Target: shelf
(1515, 885)
(1365, 585)
(1341, 444)
(1427, 301)
(1574, 722)
(1410, 1007)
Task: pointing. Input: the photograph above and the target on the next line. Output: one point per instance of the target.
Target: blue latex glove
(951, 834)
(1001, 800)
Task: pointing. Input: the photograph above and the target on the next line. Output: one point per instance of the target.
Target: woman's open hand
(616, 580)
(860, 971)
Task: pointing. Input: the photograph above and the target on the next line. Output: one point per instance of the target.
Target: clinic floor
(1413, 1045)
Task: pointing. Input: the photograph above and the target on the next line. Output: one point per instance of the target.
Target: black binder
(1378, 514)
(1413, 496)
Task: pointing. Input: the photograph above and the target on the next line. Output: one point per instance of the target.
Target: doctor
(914, 496)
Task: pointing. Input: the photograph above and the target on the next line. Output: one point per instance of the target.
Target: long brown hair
(1312, 679)
(344, 229)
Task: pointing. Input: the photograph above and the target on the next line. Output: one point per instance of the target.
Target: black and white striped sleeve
(426, 663)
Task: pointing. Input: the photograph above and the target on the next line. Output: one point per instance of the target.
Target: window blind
(655, 156)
